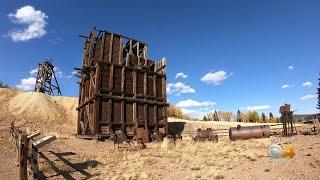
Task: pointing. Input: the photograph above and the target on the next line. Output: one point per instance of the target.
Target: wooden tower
(46, 81)
(289, 128)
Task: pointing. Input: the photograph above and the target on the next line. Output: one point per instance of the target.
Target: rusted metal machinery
(289, 127)
(46, 81)
(249, 132)
(120, 88)
(203, 135)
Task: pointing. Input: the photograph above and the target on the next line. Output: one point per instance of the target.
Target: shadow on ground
(67, 165)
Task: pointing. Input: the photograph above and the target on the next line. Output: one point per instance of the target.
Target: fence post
(34, 162)
(23, 156)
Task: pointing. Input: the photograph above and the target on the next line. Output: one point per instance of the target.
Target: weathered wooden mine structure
(289, 128)
(121, 89)
(46, 81)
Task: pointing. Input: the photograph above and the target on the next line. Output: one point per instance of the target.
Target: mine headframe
(46, 81)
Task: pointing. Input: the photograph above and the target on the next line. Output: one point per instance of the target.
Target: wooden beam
(23, 156)
(44, 141)
(32, 136)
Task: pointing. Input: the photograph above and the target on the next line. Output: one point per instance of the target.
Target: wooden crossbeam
(32, 136)
(44, 141)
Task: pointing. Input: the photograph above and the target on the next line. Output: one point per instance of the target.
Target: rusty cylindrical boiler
(248, 132)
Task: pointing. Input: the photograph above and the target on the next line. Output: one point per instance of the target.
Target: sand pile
(39, 112)
(5, 96)
(36, 106)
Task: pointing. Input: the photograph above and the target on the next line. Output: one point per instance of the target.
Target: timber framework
(46, 81)
(121, 89)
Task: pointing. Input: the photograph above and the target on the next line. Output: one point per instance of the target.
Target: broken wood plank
(46, 140)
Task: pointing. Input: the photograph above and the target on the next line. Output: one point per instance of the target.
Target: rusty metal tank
(249, 132)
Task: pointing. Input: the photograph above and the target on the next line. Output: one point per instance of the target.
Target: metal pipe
(248, 132)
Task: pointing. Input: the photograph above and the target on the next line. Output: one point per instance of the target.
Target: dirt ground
(69, 157)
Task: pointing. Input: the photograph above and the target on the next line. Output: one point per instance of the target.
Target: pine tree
(270, 116)
(205, 118)
(263, 117)
(239, 116)
(215, 116)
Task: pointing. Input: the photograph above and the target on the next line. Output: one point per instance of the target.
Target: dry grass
(186, 159)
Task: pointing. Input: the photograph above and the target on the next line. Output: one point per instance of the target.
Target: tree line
(250, 116)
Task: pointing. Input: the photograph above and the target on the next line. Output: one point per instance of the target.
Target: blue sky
(225, 55)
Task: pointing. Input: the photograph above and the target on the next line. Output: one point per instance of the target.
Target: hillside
(39, 112)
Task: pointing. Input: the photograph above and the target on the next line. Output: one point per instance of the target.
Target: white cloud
(284, 86)
(58, 72)
(308, 97)
(35, 20)
(193, 103)
(214, 78)
(193, 113)
(169, 88)
(181, 75)
(34, 71)
(197, 113)
(260, 107)
(74, 72)
(179, 88)
(290, 67)
(307, 84)
(27, 84)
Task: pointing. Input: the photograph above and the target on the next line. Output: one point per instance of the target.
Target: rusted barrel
(248, 132)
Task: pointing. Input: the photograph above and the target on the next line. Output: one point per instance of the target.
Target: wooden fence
(27, 150)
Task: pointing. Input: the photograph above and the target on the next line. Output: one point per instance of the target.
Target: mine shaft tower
(46, 81)
(121, 89)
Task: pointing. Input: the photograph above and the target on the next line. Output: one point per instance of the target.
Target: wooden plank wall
(120, 86)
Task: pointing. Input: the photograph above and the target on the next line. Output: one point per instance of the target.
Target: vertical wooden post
(110, 117)
(34, 162)
(23, 155)
(134, 79)
(122, 116)
(110, 88)
(155, 114)
(146, 118)
(96, 103)
(123, 127)
(134, 106)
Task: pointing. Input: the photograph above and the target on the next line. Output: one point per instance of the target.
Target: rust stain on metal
(249, 132)
(142, 134)
(120, 87)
